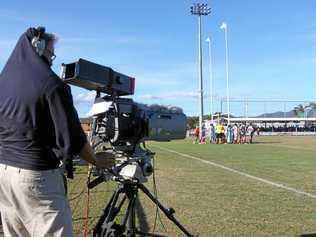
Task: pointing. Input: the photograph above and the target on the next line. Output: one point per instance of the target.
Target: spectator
(230, 134)
(235, 132)
(242, 134)
(196, 135)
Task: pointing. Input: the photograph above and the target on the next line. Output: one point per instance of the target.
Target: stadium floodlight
(208, 40)
(224, 27)
(200, 10)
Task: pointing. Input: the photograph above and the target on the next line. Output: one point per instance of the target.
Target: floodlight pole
(200, 79)
(200, 10)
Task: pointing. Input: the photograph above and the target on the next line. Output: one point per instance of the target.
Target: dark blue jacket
(37, 116)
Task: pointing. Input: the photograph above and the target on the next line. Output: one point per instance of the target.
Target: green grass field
(264, 189)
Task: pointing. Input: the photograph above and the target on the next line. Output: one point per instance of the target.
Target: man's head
(49, 52)
(44, 44)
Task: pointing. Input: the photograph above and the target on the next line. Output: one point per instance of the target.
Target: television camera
(122, 126)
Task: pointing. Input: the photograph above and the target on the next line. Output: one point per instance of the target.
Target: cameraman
(38, 124)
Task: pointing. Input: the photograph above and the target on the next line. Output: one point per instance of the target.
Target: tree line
(301, 109)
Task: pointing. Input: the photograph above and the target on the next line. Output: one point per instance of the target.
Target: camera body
(123, 120)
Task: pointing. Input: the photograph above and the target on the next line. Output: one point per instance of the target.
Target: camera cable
(87, 210)
(157, 214)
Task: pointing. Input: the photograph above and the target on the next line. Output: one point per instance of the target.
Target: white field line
(281, 186)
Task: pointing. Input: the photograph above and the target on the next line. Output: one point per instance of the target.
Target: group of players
(222, 133)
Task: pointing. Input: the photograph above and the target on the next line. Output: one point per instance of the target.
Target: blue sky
(272, 47)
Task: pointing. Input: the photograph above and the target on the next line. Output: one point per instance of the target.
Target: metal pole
(211, 75)
(199, 10)
(200, 78)
(227, 81)
(246, 107)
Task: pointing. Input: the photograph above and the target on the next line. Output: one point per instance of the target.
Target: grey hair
(50, 37)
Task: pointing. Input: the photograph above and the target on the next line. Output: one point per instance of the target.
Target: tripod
(107, 227)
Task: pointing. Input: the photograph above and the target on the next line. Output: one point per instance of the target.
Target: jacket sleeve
(70, 137)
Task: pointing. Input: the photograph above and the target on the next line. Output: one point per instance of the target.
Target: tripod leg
(167, 211)
(109, 213)
(107, 225)
(130, 215)
(101, 220)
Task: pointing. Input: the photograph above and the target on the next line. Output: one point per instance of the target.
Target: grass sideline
(215, 202)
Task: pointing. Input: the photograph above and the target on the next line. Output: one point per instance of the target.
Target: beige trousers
(34, 203)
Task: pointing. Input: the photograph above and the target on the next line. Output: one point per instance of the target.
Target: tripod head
(133, 167)
(137, 167)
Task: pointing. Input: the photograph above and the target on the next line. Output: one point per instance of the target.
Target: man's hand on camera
(104, 159)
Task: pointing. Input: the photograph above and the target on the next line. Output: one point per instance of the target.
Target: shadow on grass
(308, 235)
(79, 219)
(141, 216)
(74, 193)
